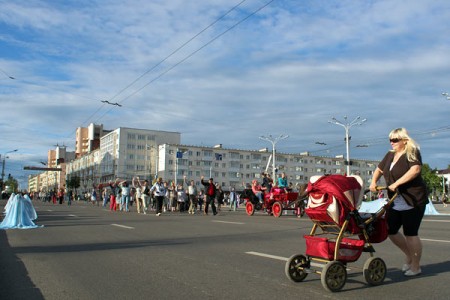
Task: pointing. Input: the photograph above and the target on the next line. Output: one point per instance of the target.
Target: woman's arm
(412, 173)
(376, 176)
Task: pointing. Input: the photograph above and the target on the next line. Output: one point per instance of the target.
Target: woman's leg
(414, 245)
(400, 241)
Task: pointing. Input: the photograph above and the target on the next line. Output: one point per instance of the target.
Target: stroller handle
(378, 188)
(383, 209)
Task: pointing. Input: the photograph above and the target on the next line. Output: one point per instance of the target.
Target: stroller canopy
(335, 195)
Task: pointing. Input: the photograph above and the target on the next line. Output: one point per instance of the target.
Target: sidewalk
(441, 209)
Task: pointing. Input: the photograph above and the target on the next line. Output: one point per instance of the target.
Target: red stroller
(339, 234)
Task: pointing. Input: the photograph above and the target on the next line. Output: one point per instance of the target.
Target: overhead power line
(194, 52)
(177, 49)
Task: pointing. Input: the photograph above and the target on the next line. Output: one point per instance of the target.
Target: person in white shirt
(160, 191)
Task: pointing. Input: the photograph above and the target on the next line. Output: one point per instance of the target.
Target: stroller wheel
(295, 267)
(374, 271)
(334, 276)
(249, 208)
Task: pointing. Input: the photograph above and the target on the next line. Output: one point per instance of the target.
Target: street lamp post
(347, 126)
(147, 147)
(3, 165)
(274, 141)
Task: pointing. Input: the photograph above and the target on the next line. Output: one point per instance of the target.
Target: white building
(128, 152)
(123, 153)
(232, 167)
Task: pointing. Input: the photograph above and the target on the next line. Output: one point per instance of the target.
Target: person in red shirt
(210, 194)
(258, 190)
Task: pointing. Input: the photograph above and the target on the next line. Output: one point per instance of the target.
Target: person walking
(172, 195)
(160, 192)
(69, 197)
(61, 196)
(233, 199)
(113, 197)
(105, 196)
(192, 195)
(181, 198)
(401, 168)
(94, 197)
(220, 196)
(210, 193)
(146, 196)
(201, 199)
(125, 189)
(140, 202)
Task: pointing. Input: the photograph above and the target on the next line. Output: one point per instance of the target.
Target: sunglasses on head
(396, 140)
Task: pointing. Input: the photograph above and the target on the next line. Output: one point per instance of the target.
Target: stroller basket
(377, 230)
(349, 249)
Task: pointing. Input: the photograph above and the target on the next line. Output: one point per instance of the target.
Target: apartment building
(87, 139)
(233, 167)
(123, 153)
(127, 152)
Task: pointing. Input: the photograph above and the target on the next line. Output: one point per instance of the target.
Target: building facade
(123, 154)
(87, 139)
(234, 167)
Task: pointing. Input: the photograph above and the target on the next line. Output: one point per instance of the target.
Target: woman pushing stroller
(401, 169)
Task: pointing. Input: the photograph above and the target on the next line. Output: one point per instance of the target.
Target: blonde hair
(410, 145)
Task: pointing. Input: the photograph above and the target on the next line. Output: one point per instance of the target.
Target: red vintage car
(275, 202)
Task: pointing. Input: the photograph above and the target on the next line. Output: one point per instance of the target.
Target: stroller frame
(330, 245)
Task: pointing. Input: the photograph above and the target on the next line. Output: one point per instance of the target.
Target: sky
(226, 72)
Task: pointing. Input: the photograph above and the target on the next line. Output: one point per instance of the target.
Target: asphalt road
(86, 252)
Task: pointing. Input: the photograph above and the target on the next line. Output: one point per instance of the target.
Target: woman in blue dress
(19, 213)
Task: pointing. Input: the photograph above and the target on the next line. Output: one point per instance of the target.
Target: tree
(12, 183)
(432, 180)
(73, 183)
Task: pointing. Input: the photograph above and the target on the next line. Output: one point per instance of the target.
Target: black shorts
(409, 219)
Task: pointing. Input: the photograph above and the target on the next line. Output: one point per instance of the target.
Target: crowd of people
(166, 196)
(146, 197)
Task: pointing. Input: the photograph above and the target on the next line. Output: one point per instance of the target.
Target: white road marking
(431, 240)
(278, 257)
(122, 226)
(439, 221)
(227, 222)
(267, 255)
(71, 215)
